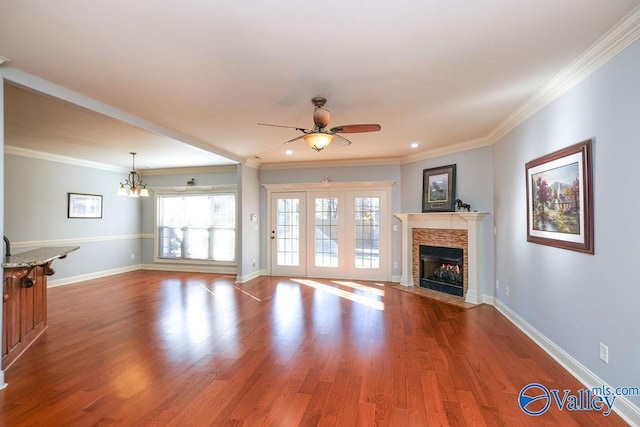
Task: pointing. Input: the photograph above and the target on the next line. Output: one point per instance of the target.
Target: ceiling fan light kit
(319, 137)
(318, 141)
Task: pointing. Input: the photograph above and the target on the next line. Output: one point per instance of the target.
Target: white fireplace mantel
(448, 221)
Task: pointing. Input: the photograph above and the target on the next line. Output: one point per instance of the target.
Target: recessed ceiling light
(289, 152)
(414, 145)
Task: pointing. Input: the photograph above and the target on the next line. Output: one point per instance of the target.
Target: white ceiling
(444, 74)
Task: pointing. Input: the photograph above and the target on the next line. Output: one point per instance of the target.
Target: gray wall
(35, 210)
(578, 300)
(474, 182)
(249, 238)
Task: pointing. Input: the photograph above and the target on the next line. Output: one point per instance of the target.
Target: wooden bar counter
(24, 298)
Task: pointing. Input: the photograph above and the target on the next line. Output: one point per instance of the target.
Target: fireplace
(446, 229)
(441, 269)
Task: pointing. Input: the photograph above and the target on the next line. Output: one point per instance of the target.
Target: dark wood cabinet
(25, 309)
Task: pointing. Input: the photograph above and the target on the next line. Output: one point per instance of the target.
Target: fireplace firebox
(441, 269)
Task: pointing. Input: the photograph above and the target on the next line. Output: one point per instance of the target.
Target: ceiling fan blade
(356, 128)
(341, 140)
(282, 126)
(295, 139)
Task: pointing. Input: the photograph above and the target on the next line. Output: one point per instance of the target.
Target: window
(197, 226)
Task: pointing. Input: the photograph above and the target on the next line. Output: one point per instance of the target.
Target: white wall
(576, 300)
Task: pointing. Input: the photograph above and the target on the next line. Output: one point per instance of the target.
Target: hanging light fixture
(318, 140)
(133, 185)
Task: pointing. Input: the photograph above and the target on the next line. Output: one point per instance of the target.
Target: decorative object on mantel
(191, 182)
(560, 200)
(461, 206)
(439, 189)
(133, 185)
(84, 205)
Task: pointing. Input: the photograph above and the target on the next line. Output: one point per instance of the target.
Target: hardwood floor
(184, 349)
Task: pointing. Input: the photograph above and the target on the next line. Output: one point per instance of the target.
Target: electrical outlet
(395, 265)
(604, 353)
(133, 256)
(506, 289)
(497, 284)
(395, 227)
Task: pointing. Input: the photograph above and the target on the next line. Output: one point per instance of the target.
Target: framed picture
(84, 205)
(560, 199)
(439, 189)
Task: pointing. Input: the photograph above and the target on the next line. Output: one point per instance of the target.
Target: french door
(330, 234)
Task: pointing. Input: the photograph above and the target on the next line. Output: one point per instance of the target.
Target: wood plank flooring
(151, 348)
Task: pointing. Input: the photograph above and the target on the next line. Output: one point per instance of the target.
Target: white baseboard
(91, 276)
(2, 383)
(245, 278)
(190, 268)
(162, 267)
(623, 407)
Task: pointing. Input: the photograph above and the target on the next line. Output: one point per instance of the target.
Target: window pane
(224, 211)
(170, 212)
(367, 232)
(197, 246)
(197, 226)
(224, 245)
(170, 242)
(197, 211)
(288, 232)
(326, 232)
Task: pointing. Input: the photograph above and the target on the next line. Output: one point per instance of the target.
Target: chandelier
(133, 185)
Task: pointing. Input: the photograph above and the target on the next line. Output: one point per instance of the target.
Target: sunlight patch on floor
(360, 287)
(360, 299)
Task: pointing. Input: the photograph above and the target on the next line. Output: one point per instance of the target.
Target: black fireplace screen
(441, 269)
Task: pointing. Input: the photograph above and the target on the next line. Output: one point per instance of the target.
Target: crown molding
(331, 164)
(622, 35)
(324, 185)
(25, 152)
(443, 151)
(188, 170)
(252, 163)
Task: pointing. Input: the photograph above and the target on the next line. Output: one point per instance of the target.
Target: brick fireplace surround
(447, 229)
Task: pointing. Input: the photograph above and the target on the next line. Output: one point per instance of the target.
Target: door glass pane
(326, 232)
(288, 232)
(367, 232)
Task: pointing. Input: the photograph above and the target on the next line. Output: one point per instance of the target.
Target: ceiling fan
(318, 137)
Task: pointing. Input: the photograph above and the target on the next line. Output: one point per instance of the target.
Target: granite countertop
(38, 256)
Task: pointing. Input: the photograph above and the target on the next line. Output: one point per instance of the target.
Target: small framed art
(84, 205)
(439, 189)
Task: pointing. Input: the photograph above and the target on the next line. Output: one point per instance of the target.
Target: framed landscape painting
(560, 200)
(439, 189)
